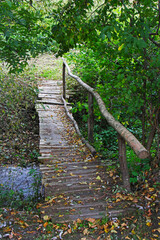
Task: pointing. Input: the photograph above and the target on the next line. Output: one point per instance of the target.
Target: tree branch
(95, 10)
(156, 33)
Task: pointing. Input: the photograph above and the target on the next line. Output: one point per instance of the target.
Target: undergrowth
(19, 121)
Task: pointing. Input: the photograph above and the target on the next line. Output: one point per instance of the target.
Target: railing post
(64, 82)
(90, 118)
(123, 162)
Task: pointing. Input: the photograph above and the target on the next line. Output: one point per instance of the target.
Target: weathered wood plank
(77, 182)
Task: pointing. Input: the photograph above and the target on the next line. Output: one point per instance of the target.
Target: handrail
(124, 134)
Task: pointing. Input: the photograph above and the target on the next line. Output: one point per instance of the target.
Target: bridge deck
(76, 184)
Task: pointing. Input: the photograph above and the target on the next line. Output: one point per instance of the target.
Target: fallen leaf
(79, 220)
(98, 178)
(92, 220)
(149, 224)
(133, 232)
(7, 229)
(155, 235)
(65, 233)
(73, 210)
(98, 238)
(45, 224)
(106, 228)
(72, 174)
(46, 217)
(113, 231)
(82, 182)
(85, 232)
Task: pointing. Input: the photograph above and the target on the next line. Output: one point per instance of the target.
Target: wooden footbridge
(76, 184)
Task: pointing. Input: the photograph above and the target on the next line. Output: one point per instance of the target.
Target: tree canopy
(23, 32)
(119, 55)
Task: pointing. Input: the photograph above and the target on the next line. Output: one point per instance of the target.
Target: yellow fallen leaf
(51, 200)
(155, 235)
(7, 229)
(98, 178)
(106, 229)
(133, 232)
(72, 174)
(82, 182)
(148, 224)
(61, 215)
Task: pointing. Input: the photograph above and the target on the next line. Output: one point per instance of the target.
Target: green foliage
(24, 32)
(15, 199)
(116, 51)
(137, 167)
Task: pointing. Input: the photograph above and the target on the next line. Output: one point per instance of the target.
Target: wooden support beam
(90, 118)
(123, 162)
(64, 81)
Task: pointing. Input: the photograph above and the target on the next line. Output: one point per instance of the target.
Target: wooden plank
(77, 181)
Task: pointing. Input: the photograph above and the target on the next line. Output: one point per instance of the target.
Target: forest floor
(19, 147)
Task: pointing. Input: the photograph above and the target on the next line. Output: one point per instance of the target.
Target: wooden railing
(123, 134)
